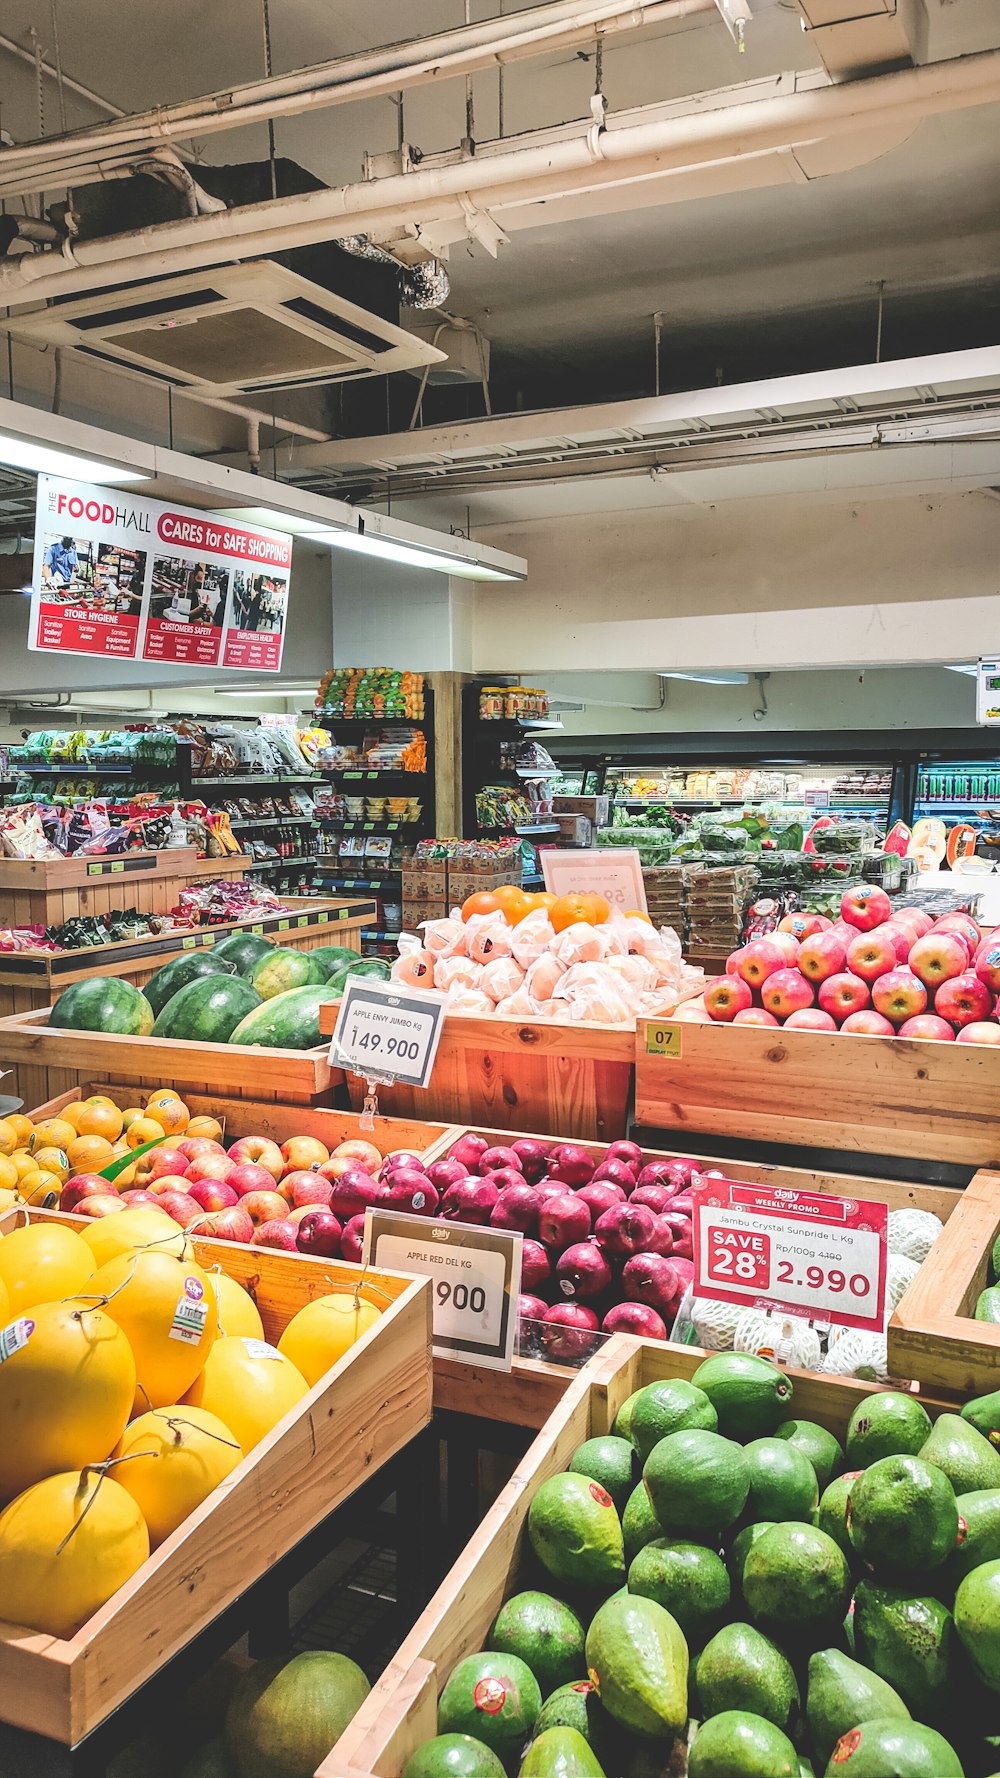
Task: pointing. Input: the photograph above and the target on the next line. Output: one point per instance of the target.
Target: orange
(571, 910)
(143, 1129)
(8, 1174)
(513, 901)
(23, 1162)
(88, 1154)
(41, 1189)
(481, 903)
(205, 1126)
(100, 1118)
(74, 1111)
(22, 1127)
(130, 1116)
(52, 1132)
(52, 1160)
(9, 1137)
(637, 914)
(602, 908)
(169, 1112)
(164, 1093)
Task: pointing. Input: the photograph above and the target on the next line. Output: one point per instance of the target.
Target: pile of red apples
(872, 973)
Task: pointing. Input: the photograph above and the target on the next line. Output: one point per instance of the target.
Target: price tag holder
(612, 871)
(476, 1277)
(804, 1252)
(386, 1033)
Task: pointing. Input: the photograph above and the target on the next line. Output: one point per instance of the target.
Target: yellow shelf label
(664, 1040)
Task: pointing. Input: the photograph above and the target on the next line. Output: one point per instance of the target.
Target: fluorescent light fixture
(23, 453)
(410, 555)
(969, 668)
(278, 690)
(468, 560)
(719, 678)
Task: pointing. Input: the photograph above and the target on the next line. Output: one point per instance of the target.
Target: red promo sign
(74, 629)
(804, 1252)
(196, 643)
(190, 531)
(252, 648)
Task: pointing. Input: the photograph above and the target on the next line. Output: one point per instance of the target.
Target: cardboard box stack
(715, 904)
(441, 874)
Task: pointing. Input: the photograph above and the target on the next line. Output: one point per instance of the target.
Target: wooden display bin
(47, 891)
(401, 1710)
(528, 1393)
(564, 1079)
(30, 981)
(932, 1330)
(365, 1409)
(900, 1096)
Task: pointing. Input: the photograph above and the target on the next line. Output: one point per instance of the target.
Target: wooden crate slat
(932, 1330)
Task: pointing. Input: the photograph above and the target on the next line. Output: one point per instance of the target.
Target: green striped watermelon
(243, 950)
(288, 1021)
(370, 966)
(190, 966)
(207, 1011)
(282, 969)
(103, 1003)
(330, 958)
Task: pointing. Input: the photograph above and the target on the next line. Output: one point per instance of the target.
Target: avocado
(578, 1707)
(968, 1459)
(832, 1514)
(576, 1533)
(612, 1463)
(740, 1745)
(839, 1695)
(901, 1516)
(639, 1522)
(671, 1406)
(988, 1306)
(984, 1414)
(492, 1697)
(546, 1635)
(740, 1669)
(749, 1395)
(908, 1639)
(688, 1580)
(977, 1621)
(622, 1427)
(741, 1546)
(825, 1453)
(806, 1767)
(453, 1756)
(797, 1578)
(637, 1660)
(893, 1749)
(886, 1424)
(697, 1482)
(978, 1532)
(783, 1482)
(561, 1753)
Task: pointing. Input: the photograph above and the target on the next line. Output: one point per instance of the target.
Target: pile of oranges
(563, 910)
(36, 1159)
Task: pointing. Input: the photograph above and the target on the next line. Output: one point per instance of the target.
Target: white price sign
(386, 1032)
(476, 1277)
(806, 1252)
(612, 871)
(988, 693)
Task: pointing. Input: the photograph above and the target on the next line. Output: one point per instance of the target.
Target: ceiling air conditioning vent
(234, 330)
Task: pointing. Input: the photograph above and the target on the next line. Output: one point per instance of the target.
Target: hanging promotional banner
(123, 577)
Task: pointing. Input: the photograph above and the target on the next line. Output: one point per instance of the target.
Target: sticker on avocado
(847, 1745)
(600, 1494)
(490, 1696)
(190, 1315)
(595, 1679)
(15, 1337)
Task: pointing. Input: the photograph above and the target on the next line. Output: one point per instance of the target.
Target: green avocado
(908, 1639)
(968, 1459)
(671, 1406)
(783, 1482)
(839, 1694)
(902, 1518)
(688, 1580)
(977, 1621)
(893, 1749)
(741, 1546)
(639, 1522)
(546, 1635)
(453, 1756)
(738, 1744)
(697, 1482)
(988, 1306)
(984, 1414)
(611, 1462)
(574, 1706)
(825, 1453)
(622, 1427)
(561, 1753)
(740, 1669)
(638, 1661)
(978, 1532)
(576, 1533)
(796, 1581)
(832, 1514)
(492, 1697)
(749, 1395)
(886, 1424)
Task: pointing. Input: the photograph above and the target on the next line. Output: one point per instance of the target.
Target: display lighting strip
(24, 453)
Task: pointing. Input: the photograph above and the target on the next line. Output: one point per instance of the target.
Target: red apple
(963, 1000)
(871, 955)
(756, 961)
(810, 1018)
(634, 1318)
(617, 1173)
(227, 1225)
(988, 964)
(693, 1012)
(135, 1197)
(841, 995)
(305, 1187)
(563, 1221)
(446, 1172)
(300, 1153)
(929, 1026)
(938, 957)
(822, 955)
(536, 1267)
(353, 1194)
(161, 1161)
(964, 925)
(352, 1241)
(583, 1271)
(685, 1274)
(625, 1229)
(357, 1150)
(319, 1234)
(787, 991)
(599, 1196)
(654, 1197)
(258, 1151)
(406, 1189)
(568, 1331)
(85, 1185)
(867, 1024)
(980, 1031)
(263, 1207)
(402, 1157)
(184, 1208)
(662, 1238)
(504, 1177)
(469, 1150)
(530, 1308)
(100, 1204)
(571, 1164)
(802, 926)
(173, 1182)
(337, 1166)
(471, 1200)
(728, 995)
(787, 944)
(918, 917)
(899, 995)
(865, 906)
(629, 1152)
(532, 1157)
(651, 1278)
(497, 1160)
(516, 1208)
(194, 1147)
(212, 1194)
(755, 1015)
(899, 936)
(279, 1231)
(249, 1176)
(210, 1166)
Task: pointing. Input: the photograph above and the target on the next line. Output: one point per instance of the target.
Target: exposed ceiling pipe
(520, 177)
(386, 71)
(74, 86)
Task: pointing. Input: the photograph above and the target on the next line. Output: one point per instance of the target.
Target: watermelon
(330, 958)
(284, 1716)
(207, 1011)
(281, 970)
(288, 1021)
(243, 950)
(103, 1003)
(191, 966)
(373, 966)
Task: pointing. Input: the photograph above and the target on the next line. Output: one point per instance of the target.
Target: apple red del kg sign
(803, 1252)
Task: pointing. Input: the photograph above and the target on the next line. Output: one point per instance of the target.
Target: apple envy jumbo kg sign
(125, 578)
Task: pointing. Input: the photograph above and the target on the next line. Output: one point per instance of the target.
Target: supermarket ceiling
(764, 281)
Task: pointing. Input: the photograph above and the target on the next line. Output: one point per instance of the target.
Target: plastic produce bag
(531, 937)
(469, 1000)
(591, 993)
(451, 972)
(580, 944)
(501, 978)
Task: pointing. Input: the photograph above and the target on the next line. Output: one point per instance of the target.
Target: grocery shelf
(198, 783)
(370, 774)
(367, 722)
(280, 863)
(377, 826)
(273, 821)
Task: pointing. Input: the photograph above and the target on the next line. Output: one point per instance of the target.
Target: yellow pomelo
(249, 1385)
(72, 1113)
(205, 1126)
(53, 1160)
(10, 1198)
(5, 1314)
(52, 1132)
(169, 1112)
(238, 1313)
(9, 1138)
(177, 1455)
(134, 1228)
(66, 1392)
(88, 1154)
(42, 1263)
(22, 1127)
(40, 1188)
(166, 1307)
(23, 1162)
(56, 1589)
(323, 1331)
(8, 1174)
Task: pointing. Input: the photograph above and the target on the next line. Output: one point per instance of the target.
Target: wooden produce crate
(557, 1078)
(401, 1710)
(896, 1096)
(30, 981)
(528, 1393)
(47, 891)
(932, 1330)
(366, 1408)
